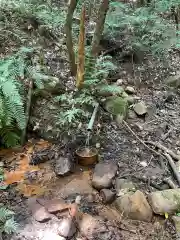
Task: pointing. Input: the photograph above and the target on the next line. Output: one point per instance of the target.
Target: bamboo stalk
(91, 122)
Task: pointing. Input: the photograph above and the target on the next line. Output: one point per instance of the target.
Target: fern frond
(10, 226)
(5, 213)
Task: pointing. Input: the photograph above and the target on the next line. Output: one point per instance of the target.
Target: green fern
(7, 222)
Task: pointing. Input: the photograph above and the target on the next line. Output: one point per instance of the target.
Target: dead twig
(163, 138)
(166, 150)
(173, 166)
(170, 182)
(141, 141)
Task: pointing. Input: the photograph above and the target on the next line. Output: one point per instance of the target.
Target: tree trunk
(69, 39)
(99, 27)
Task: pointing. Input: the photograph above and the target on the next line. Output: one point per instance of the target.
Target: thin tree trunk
(69, 39)
(99, 27)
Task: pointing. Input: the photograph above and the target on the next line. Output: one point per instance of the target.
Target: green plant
(142, 29)
(15, 71)
(7, 222)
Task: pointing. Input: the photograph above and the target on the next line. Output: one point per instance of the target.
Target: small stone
(166, 201)
(130, 90)
(134, 206)
(39, 212)
(63, 166)
(66, 228)
(98, 145)
(107, 196)
(1, 164)
(176, 220)
(78, 200)
(121, 183)
(103, 175)
(140, 108)
(119, 82)
(132, 114)
(143, 164)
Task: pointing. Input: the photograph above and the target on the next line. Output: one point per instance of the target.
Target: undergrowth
(141, 29)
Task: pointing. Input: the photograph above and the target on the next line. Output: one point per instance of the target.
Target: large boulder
(166, 201)
(134, 206)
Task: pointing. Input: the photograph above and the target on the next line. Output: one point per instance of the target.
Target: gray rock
(107, 196)
(63, 166)
(166, 201)
(134, 206)
(119, 82)
(39, 212)
(140, 108)
(132, 114)
(176, 220)
(124, 186)
(103, 175)
(173, 81)
(130, 90)
(117, 105)
(66, 228)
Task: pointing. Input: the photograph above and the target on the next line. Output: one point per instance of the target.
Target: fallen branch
(173, 166)
(170, 182)
(146, 180)
(27, 113)
(166, 150)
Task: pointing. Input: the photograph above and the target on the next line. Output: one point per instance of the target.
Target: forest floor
(135, 162)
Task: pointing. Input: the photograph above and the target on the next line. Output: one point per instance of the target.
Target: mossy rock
(117, 106)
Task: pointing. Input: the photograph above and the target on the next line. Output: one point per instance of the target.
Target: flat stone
(130, 90)
(166, 201)
(63, 166)
(140, 108)
(77, 186)
(66, 228)
(39, 212)
(55, 205)
(104, 174)
(134, 206)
